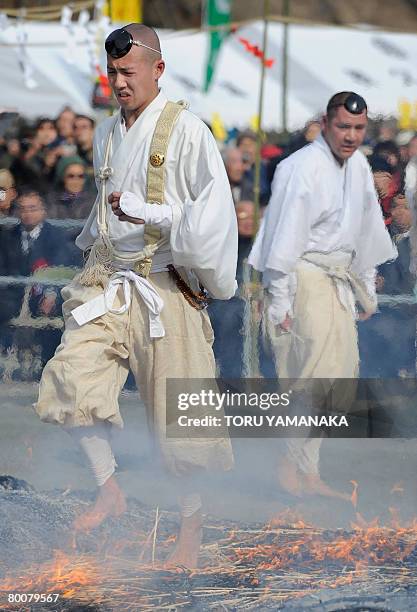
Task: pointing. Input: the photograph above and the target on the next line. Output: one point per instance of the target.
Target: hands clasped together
(129, 207)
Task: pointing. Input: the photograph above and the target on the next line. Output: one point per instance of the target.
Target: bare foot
(187, 546)
(289, 477)
(313, 485)
(110, 502)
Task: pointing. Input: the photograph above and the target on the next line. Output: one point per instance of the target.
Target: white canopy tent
(322, 60)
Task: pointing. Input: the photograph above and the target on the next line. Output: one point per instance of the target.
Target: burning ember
(283, 564)
(267, 565)
(64, 575)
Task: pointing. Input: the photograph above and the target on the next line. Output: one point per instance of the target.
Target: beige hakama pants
(323, 343)
(80, 385)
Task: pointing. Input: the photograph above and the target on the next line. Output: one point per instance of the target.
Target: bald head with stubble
(134, 77)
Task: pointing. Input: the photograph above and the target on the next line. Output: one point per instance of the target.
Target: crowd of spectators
(47, 188)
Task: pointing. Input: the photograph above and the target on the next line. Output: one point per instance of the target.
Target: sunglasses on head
(119, 43)
(354, 104)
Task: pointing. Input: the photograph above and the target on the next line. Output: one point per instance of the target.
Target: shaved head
(134, 75)
(147, 36)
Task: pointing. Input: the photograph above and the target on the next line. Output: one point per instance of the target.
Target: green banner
(217, 13)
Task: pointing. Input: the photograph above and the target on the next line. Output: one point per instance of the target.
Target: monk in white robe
(320, 241)
(144, 324)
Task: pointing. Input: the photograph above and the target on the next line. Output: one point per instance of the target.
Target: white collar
(321, 142)
(34, 233)
(156, 106)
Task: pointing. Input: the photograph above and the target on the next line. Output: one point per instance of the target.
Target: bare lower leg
(288, 476)
(188, 542)
(110, 501)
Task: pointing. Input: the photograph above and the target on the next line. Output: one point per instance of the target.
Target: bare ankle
(193, 521)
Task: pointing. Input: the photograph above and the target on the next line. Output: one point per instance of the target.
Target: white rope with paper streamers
(98, 9)
(25, 63)
(4, 22)
(95, 33)
(66, 22)
(92, 47)
(102, 21)
(83, 19)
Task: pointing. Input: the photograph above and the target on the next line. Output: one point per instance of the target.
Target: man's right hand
(114, 200)
(286, 324)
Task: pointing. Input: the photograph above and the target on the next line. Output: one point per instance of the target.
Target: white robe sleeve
(204, 234)
(373, 245)
(283, 237)
(368, 277)
(281, 302)
(285, 229)
(159, 215)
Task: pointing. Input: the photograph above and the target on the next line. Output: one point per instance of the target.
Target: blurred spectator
(228, 318)
(245, 212)
(386, 132)
(241, 187)
(391, 332)
(387, 340)
(312, 130)
(65, 126)
(84, 136)
(30, 246)
(72, 200)
(389, 151)
(242, 192)
(35, 164)
(301, 139)
(269, 151)
(402, 140)
(9, 151)
(247, 143)
(7, 194)
(33, 240)
(384, 185)
(7, 303)
(45, 134)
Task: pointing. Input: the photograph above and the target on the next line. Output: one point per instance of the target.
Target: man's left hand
(114, 200)
(363, 316)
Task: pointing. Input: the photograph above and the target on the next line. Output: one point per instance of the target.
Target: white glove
(152, 214)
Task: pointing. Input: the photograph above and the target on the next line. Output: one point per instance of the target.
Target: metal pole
(251, 350)
(284, 101)
(257, 182)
